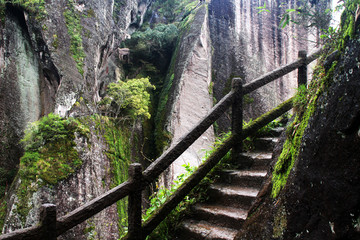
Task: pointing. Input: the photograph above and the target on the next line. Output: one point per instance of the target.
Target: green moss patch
(305, 103)
(50, 156)
(117, 136)
(73, 24)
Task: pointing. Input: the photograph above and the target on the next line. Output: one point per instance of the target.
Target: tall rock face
(50, 58)
(238, 41)
(191, 95)
(321, 197)
(248, 44)
(326, 178)
(20, 100)
(62, 53)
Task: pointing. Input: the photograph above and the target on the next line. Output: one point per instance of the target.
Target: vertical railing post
(237, 118)
(302, 70)
(48, 221)
(134, 206)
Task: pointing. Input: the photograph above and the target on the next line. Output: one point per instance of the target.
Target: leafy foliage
(73, 24)
(308, 13)
(263, 8)
(151, 44)
(36, 7)
(164, 230)
(131, 96)
(198, 194)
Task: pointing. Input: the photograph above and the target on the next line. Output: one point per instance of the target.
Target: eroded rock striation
(60, 58)
(191, 95)
(321, 197)
(248, 44)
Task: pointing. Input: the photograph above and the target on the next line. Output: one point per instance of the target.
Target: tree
(129, 99)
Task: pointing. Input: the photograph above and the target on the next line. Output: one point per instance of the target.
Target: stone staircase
(231, 197)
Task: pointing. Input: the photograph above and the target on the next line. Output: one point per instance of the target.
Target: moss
(117, 136)
(247, 99)
(162, 137)
(55, 42)
(50, 156)
(73, 24)
(89, 231)
(118, 6)
(2, 13)
(280, 223)
(3, 209)
(306, 105)
(91, 13)
(347, 25)
(24, 193)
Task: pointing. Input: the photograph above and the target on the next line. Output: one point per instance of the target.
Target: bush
(130, 98)
(153, 42)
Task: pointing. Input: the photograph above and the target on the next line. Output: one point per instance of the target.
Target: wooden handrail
(93, 207)
(164, 161)
(279, 72)
(210, 163)
(96, 205)
(29, 233)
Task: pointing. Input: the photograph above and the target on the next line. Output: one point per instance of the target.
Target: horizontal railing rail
(50, 228)
(209, 164)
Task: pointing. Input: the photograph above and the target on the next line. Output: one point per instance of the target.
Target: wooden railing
(50, 226)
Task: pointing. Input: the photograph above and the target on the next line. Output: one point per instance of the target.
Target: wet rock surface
(39, 75)
(191, 98)
(321, 198)
(248, 44)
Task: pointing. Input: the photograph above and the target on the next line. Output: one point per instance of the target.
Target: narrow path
(231, 197)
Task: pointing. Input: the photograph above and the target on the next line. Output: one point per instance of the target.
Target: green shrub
(36, 7)
(152, 43)
(130, 97)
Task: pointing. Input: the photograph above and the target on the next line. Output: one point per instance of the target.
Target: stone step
(273, 132)
(259, 160)
(192, 229)
(265, 143)
(243, 178)
(232, 195)
(220, 215)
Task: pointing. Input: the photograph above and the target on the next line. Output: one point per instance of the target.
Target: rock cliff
(321, 198)
(191, 95)
(237, 41)
(59, 57)
(248, 44)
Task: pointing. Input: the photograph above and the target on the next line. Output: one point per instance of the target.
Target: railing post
(48, 221)
(302, 70)
(237, 118)
(134, 206)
